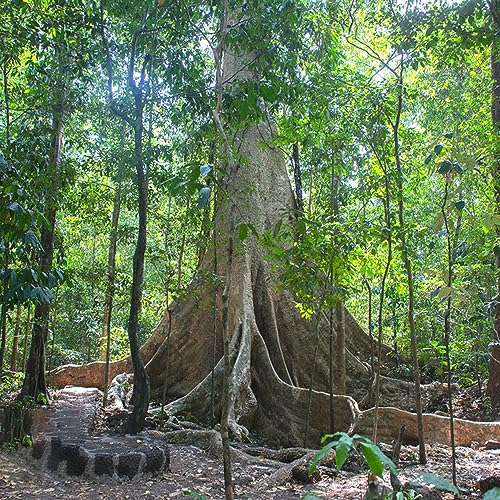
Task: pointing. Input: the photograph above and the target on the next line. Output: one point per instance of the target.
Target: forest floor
(195, 473)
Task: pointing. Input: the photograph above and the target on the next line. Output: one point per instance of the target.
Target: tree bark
(34, 379)
(27, 329)
(3, 312)
(15, 339)
(493, 389)
(141, 392)
(6, 97)
(408, 269)
(110, 290)
(297, 176)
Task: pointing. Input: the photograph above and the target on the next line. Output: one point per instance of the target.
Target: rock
(128, 464)
(63, 441)
(103, 464)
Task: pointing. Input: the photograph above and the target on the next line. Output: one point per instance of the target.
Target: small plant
(193, 494)
(42, 399)
(343, 444)
(376, 460)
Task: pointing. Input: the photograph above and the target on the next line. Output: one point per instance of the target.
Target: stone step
(63, 442)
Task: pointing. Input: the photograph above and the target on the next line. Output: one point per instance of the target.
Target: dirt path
(196, 474)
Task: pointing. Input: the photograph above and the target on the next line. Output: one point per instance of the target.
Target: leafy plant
(343, 443)
(193, 494)
(493, 494)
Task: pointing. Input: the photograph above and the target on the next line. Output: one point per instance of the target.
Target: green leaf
(308, 495)
(342, 450)
(243, 232)
(439, 482)
(428, 159)
(458, 168)
(459, 205)
(444, 292)
(300, 226)
(438, 148)
(493, 494)
(449, 135)
(277, 228)
(27, 441)
(319, 456)
(376, 459)
(205, 169)
(445, 167)
(203, 197)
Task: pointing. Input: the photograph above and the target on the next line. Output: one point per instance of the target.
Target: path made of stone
(63, 441)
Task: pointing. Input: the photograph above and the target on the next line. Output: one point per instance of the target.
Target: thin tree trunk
(447, 331)
(141, 392)
(3, 312)
(370, 326)
(409, 272)
(331, 380)
(340, 349)
(6, 98)
(27, 329)
(110, 291)
(34, 380)
(297, 176)
(493, 389)
(388, 227)
(15, 339)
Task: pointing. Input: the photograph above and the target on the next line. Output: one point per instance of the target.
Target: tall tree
(140, 89)
(494, 379)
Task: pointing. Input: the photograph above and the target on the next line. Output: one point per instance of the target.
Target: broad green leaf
(438, 148)
(488, 222)
(203, 197)
(308, 495)
(300, 226)
(428, 159)
(444, 292)
(342, 450)
(449, 135)
(277, 227)
(460, 204)
(319, 456)
(205, 169)
(445, 167)
(439, 482)
(243, 232)
(493, 494)
(376, 459)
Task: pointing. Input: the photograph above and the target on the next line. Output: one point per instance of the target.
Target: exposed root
(436, 428)
(285, 455)
(283, 474)
(209, 441)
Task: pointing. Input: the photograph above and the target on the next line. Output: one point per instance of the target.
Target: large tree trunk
(271, 347)
(494, 381)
